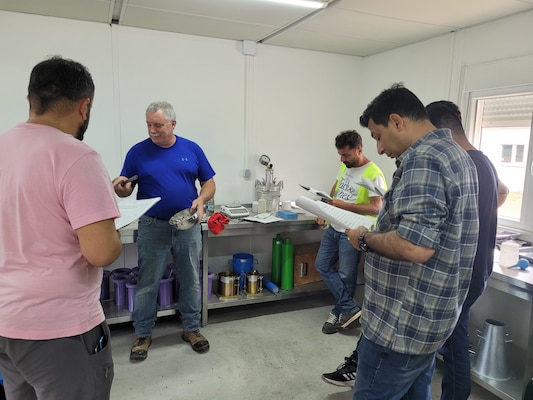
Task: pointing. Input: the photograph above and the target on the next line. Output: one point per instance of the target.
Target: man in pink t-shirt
(57, 211)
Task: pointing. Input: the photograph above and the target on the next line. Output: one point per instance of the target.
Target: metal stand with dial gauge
(264, 160)
(268, 188)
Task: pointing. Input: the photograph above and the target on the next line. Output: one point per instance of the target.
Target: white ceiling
(353, 27)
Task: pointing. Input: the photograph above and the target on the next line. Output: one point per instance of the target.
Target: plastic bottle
(275, 205)
(261, 205)
(287, 265)
(277, 244)
(210, 206)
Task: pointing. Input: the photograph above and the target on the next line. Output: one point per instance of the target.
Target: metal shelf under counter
(235, 228)
(243, 228)
(119, 314)
(267, 296)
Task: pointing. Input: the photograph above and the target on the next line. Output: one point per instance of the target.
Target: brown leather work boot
(198, 342)
(139, 350)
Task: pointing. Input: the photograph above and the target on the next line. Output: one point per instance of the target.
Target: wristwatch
(365, 248)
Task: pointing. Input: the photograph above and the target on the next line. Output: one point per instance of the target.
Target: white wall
(26, 40)
(286, 103)
(202, 78)
(283, 102)
(422, 67)
(302, 101)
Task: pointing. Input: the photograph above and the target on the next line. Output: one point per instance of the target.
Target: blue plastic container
(242, 264)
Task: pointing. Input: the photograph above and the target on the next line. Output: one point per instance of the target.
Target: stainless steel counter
(519, 282)
(508, 298)
(235, 228)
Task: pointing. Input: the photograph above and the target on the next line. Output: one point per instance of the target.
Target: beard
(351, 164)
(83, 127)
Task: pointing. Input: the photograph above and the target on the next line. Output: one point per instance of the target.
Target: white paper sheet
(338, 216)
(263, 219)
(132, 209)
(368, 184)
(322, 194)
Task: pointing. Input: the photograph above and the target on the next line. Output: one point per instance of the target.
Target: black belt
(159, 219)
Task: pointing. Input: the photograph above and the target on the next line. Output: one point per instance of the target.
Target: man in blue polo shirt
(167, 166)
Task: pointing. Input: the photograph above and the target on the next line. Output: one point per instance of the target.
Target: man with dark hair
(492, 193)
(335, 247)
(419, 258)
(56, 234)
(456, 382)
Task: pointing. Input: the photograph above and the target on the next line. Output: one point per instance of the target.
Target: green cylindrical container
(287, 265)
(277, 243)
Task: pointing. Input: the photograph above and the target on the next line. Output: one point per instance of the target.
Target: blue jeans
(386, 374)
(156, 239)
(455, 353)
(342, 282)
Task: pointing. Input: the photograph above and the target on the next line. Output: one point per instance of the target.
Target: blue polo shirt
(170, 173)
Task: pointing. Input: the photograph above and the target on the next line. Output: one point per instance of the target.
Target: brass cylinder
(228, 283)
(253, 283)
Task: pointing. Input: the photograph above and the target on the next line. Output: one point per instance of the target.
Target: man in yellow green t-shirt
(335, 247)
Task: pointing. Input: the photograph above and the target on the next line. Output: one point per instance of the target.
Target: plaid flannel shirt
(412, 308)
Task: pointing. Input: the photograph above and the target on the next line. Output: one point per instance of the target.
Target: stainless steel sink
(526, 249)
(526, 252)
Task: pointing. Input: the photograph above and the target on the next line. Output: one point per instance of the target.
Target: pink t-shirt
(50, 185)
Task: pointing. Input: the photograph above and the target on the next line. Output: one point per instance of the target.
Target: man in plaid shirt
(419, 258)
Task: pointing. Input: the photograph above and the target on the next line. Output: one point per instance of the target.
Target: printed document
(319, 193)
(132, 209)
(368, 184)
(338, 216)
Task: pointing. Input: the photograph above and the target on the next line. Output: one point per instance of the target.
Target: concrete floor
(262, 351)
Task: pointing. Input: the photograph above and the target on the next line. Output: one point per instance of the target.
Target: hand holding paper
(131, 209)
(338, 216)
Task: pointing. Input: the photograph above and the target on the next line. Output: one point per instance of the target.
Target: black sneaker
(346, 321)
(329, 326)
(345, 373)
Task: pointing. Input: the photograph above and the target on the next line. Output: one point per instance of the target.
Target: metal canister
(254, 282)
(228, 284)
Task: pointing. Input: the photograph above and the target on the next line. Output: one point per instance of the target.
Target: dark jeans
(456, 383)
(386, 374)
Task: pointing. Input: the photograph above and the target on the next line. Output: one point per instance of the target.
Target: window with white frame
(500, 125)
